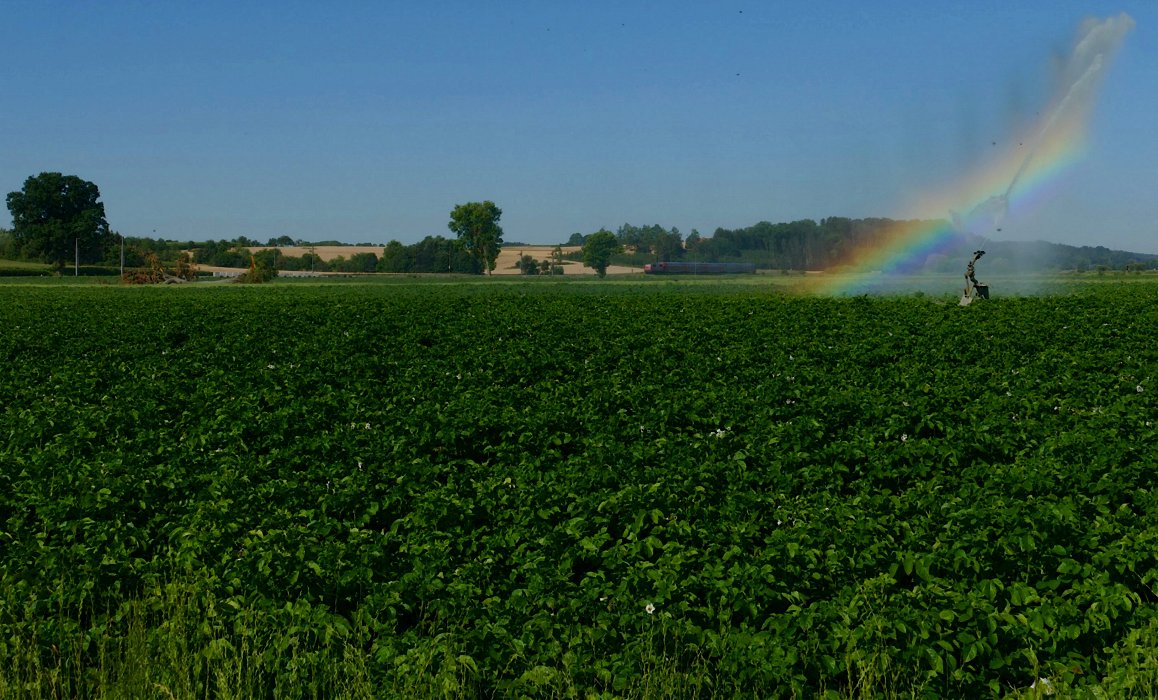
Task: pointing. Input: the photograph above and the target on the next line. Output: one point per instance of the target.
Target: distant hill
(1057, 256)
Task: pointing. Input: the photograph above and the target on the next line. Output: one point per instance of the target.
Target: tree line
(824, 245)
(59, 220)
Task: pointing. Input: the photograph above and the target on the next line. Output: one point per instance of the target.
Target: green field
(576, 489)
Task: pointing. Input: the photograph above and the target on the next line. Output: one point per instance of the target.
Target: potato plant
(528, 489)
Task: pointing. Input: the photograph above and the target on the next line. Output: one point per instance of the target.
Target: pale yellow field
(325, 252)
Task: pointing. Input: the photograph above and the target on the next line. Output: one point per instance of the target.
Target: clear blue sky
(370, 121)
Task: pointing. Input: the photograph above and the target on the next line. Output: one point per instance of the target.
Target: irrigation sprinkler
(973, 288)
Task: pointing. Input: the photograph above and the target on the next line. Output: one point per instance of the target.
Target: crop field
(575, 490)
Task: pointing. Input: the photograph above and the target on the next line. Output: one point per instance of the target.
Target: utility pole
(122, 256)
(76, 260)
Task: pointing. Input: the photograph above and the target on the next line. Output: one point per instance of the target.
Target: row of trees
(824, 244)
(638, 245)
(798, 245)
(60, 219)
(431, 254)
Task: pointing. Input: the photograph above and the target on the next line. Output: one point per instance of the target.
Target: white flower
(649, 608)
(1139, 388)
(1046, 686)
(904, 437)
(719, 433)
(366, 426)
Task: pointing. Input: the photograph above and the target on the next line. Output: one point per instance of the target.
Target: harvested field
(325, 252)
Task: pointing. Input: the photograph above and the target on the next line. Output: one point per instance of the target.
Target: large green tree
(55, 216)
(477, 226)
(598, 249)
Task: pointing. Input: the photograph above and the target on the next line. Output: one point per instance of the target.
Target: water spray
(982, 203)
(1080, 76)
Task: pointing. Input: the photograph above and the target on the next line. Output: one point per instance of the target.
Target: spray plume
(1054, 142)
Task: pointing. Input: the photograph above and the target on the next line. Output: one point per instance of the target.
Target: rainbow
(1008, 189)
(1020, 178)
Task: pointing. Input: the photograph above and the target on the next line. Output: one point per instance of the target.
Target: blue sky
(366, 122)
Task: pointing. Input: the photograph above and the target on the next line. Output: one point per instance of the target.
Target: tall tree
(58, 216)
(477, 226)
(598, 249)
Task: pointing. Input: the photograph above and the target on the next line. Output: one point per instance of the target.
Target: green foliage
(363, 262)
(262, 267)
(309, 261)
(651, 243)
(358, 262)
(8, 248)
(575, 489)
(221, 254)
(527, 265)
(58, 218)
(477, 225)
(598, 250)
(281, 242)
(431, 254)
